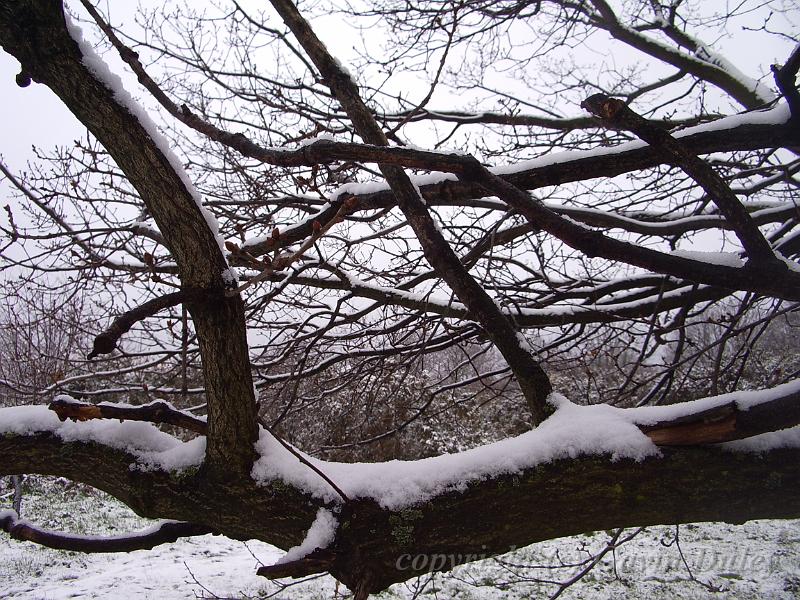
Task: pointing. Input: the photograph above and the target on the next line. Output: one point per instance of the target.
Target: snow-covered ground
(760, 559)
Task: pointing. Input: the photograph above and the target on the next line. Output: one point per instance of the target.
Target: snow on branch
(572, 431)
(703, 63)
(158, 412)
(99, 69)
(310, 556)
(616, 111)
(150, 448)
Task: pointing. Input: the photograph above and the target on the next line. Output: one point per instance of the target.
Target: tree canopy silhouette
(296, 265)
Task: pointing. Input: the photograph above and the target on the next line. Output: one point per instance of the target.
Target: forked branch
(616, 112)
(532, 379)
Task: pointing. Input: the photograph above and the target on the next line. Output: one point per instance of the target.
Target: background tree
(249, 237)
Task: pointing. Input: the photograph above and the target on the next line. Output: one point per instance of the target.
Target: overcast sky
(33, 116)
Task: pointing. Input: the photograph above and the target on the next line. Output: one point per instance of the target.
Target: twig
(677, 542)
(202, 587)
(280, 263)
(611, 545)
(303, 460)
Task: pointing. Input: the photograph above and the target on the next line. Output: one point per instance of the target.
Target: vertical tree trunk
(16, 480)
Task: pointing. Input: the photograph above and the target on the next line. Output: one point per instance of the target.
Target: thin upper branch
(530, 375)
(606, 18)
(617, 112)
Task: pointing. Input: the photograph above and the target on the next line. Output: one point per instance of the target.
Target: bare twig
(281, 263)
(676, 541)
(304, 461)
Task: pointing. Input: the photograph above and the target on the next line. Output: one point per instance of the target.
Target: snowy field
(760, 559)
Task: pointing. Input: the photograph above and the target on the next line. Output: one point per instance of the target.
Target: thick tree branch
(726, 422)
(163, 533)
(551, 500)
(722, 423)
(158, 412)
(318, 561)
(35, 32)
(569, 167)
(786, 79)
(281, 514)
(777, 280)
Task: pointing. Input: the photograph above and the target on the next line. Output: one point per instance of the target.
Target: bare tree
(283, 234)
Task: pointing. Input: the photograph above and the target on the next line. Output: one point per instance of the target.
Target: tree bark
(375, 547)
(491, 516)
(36, 34)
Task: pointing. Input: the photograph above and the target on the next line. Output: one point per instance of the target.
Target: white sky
(33, 116)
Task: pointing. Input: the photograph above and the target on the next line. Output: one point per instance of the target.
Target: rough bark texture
(35, 33)
(563, 498)
(374, 546)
